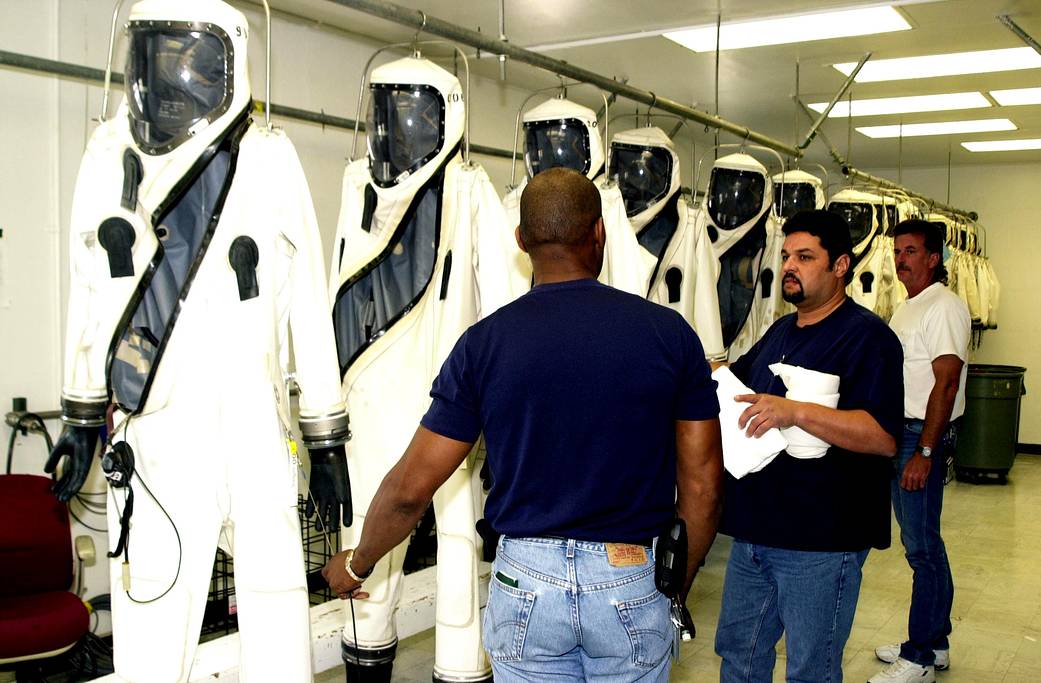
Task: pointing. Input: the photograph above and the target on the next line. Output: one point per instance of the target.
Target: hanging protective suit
(794, 191)
(961, 274)
(422, 252)
(646, 170)
(874, 269)
(193, 248)
(560, 132)
(747, 240)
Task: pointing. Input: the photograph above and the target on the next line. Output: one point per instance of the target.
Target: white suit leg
(155, 639)
(458, 655)
(263, 528)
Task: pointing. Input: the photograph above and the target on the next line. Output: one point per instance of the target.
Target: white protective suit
(874, 268)
(962, 271)
(646, 169)
(560, 132)
(422, 252)
(795, 190)
(746, 239)
(191, 254)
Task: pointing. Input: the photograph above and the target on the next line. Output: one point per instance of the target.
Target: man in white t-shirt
(933, 326)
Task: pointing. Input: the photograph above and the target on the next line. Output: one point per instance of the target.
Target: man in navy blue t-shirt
(599, 415)
(802, 527)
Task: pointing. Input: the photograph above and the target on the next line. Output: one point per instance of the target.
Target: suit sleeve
(309, 318)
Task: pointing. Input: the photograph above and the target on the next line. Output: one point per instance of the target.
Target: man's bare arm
(699, 478)
(399, 503)
(947, 373)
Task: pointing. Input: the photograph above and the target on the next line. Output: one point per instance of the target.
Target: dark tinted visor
(643, 174)
(794, 197)
(405, 128)
(177, 76)
(735, 197)
(859, 217)
(561, 142)
(892, 218)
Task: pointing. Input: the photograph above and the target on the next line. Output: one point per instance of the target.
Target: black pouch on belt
(670, 559)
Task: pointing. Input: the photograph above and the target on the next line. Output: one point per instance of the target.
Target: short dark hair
(934, 238)
(830, 228)
(558, 206)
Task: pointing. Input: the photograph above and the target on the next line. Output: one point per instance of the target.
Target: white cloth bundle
(809, 386)
(741, 453)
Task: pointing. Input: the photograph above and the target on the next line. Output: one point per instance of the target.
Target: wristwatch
(350, 572)
(926, 451)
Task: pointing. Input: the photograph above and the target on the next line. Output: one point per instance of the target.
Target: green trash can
(989, 429)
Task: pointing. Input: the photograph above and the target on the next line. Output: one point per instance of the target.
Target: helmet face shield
(178, 80)
(735, 196)
(643, 174)
(892, 218)
(553, 143)
(794, 197)
(405, 128)
(859, 216)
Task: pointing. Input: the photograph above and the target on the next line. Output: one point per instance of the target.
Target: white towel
(809, 386)
(742, 454)
(806, 381)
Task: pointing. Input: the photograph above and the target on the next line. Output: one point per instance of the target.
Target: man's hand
(400, 501)
(767, 411)
(916, 473)
(335, 574)
(79, 444)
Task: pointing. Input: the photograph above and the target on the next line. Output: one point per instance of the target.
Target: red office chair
(39, 616)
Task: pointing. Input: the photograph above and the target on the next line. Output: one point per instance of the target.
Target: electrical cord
(125, 521)
(25, 420)
(126, 546)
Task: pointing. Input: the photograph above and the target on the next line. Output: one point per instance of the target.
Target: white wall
(1008, 200)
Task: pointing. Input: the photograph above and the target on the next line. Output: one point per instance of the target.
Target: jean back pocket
(646, 621)
(506, 621)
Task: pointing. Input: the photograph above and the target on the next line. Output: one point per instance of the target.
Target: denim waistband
(585, 545)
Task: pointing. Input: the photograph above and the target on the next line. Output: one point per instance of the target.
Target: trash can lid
(1004, 370)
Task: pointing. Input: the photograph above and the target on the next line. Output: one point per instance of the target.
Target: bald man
(600, 420)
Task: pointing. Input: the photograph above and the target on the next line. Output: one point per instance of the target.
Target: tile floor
(993, 536)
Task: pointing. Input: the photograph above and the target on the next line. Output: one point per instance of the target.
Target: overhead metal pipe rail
(834, 100)
(890, 185)
(857, 174)
(91, 75)
(1018, 30)
(427, 24)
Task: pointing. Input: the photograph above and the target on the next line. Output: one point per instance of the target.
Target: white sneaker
(904, 671)
(890, 653)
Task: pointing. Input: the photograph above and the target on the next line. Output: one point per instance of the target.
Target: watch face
(925, 451)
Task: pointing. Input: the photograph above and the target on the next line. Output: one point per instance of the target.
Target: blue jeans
(558, 611)
(809, 596)
(918, 513)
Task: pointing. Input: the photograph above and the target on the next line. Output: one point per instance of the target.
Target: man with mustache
(802, 527)
(933, 326)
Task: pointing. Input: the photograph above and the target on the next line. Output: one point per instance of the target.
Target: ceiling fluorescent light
(1008, 98)
(791, 29)
(1002, 145)
(939, 128)
(953, 64)
(907, 105)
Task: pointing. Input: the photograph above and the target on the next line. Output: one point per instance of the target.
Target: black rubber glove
(79, 443)
(330, 488)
